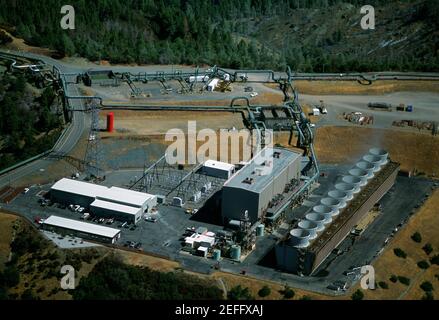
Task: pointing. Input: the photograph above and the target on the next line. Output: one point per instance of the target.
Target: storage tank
(260, 230)
(319, 219)
(235, 252)
(110, 122)
(380, 153)
(346, 187)
(309, 226)
(326, 211)
(375, 160)
(360, 173)
(217, 254)
(355, 181)
(366, 166)
(340, 195)
(299, 238)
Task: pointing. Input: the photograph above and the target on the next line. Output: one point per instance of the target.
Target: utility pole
(93, 159)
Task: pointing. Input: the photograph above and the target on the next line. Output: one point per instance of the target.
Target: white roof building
(104, 201)
(79, 226)
(218, 169)
(126, 197)
(196, 240)
(113, 206)
(79, 187)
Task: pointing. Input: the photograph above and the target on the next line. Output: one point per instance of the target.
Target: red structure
(110, 122)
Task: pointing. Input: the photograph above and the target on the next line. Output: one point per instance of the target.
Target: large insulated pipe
(355, 181)
(346, 187)
(363, 165)
(319, 219)
(360, 173)
(332, 203)
(379, 153)
(375, 160)
(299, 238)
(309, 226)
(340, 195)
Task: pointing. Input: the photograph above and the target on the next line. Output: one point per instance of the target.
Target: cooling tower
(319, 219)
(363, 165)
(310, 226)
(375, 160)
(360, 173)
(299, 238)
(380, 153)
(332, 203)
(355, 181)
(325, 211)
(340, 195)
(346, 187)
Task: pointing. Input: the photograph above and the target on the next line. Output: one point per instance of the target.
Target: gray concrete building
(254, 186)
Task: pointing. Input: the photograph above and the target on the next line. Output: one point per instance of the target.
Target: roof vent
(248, 180)
(276, 154)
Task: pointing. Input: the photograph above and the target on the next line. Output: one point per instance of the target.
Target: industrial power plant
(279, 214)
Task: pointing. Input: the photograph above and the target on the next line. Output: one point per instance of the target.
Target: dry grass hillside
(426, 222)
(415, 151)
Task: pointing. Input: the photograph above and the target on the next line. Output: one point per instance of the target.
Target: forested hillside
(28, 122)
(309, 35)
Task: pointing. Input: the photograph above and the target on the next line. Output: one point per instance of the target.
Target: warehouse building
(81, 229)
(218, 169)
(107, 209)
(70, 191)
(322, 230)
(119, 203)
(253, 188)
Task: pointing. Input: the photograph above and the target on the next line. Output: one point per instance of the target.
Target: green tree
(239, 293)
(428, 248)
(357, 295)
(426, 286)
(423, 264)
(264, 292)
(435, 260)
(416, 237)
(404, 280)
(400, 253)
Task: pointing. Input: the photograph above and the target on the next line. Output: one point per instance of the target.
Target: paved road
(71, 136)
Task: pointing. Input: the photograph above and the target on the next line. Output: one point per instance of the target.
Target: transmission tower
(93, 159)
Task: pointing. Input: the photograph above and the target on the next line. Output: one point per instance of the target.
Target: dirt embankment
(353, 87)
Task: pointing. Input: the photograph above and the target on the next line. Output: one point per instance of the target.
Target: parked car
(151, 219)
